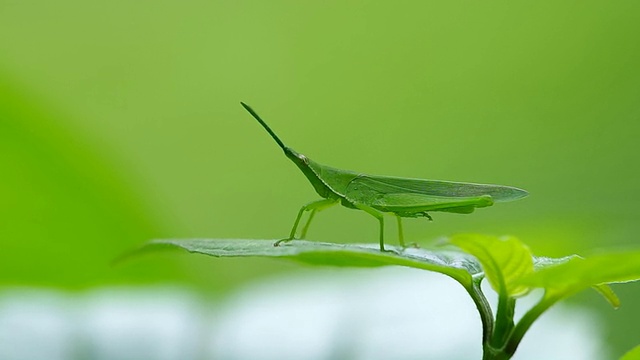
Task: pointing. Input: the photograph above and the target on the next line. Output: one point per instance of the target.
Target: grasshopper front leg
(314, 207)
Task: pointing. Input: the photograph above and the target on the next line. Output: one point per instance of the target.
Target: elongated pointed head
(264, 125)
(296, 157)
(301, 161)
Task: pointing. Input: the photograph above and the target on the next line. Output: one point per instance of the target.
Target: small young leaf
(607, 292)
(458, 265)
(633, 354)
(505, 260)
(541, 262)
(579, 273)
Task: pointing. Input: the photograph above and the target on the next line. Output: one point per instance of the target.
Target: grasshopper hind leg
(401, 233)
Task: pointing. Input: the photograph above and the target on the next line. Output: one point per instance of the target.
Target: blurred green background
(120, 122)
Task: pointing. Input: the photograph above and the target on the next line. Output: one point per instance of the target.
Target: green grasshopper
(376, 195)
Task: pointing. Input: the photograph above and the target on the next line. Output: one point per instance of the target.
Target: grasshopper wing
(449, 189)
(414, 197)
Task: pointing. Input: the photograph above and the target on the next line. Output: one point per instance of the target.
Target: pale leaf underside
(451, 262)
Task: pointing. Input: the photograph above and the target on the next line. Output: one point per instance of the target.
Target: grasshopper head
(311, 171)
(299, 159)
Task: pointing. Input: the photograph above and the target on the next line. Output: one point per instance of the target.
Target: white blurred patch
(35, 325)
(373, 314)
(160, 324)
(387, 313)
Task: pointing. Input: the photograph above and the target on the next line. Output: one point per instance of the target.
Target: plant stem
(504, 320)
(490, 353)
(527, 320)
(486, 315)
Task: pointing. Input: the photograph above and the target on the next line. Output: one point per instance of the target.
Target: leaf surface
(458, 265)
(633, 354)
(579, 273)
(505, 260)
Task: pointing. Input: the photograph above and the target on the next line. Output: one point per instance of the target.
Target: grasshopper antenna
(264, 125)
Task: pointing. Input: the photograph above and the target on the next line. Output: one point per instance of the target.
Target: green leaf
(542, 262)
(633, 354)
(458, 265)
(580, 273)
(505, 260)
(607, 292)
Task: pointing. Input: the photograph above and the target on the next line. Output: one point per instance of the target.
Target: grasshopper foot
(285, 240)
(392, 251)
